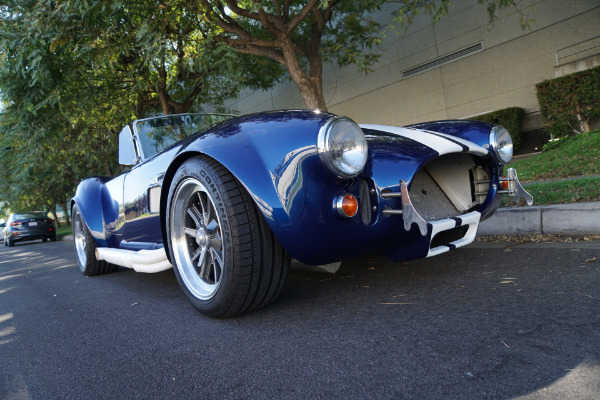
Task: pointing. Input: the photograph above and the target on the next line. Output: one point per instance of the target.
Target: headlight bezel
(502, 144)
(326, 148)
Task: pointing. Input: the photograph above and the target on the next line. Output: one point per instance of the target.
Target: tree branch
(233, 6)
(303, 14)
(277, 8)
(224, 21)
(249, 48)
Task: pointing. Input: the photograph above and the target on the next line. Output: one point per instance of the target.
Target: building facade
(458, 67)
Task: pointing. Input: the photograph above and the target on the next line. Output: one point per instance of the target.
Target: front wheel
(225, 257)
(85, 247)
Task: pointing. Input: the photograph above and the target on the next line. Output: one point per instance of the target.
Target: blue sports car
(229, 201)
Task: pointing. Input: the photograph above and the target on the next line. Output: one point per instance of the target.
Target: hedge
(510, 118)
(568, 102)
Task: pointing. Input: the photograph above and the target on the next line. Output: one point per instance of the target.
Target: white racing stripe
(473, 148)
(437, 142)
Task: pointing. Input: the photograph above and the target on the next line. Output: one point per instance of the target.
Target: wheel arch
(89, 199)
(264, 199)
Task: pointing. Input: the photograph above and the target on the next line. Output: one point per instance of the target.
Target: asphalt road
(496, 320)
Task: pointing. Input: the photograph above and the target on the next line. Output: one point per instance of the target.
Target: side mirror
(127, 154)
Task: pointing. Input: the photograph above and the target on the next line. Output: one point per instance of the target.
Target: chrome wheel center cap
(202, 237)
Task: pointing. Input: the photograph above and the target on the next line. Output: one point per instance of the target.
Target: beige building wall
(503, 74)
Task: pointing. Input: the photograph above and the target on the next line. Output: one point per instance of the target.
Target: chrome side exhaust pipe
(147, 261)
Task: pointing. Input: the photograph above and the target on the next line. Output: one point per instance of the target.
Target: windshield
(156, 134)
(29, 215)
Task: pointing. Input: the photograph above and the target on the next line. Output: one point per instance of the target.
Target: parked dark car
(228, 204)
(28, 226)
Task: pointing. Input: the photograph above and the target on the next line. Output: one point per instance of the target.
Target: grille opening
(449, 236)
(365, 202)
(450, 185)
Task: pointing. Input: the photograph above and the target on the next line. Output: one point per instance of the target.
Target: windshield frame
(141, 127)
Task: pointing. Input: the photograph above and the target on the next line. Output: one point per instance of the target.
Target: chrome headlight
(342, 147)
(501, 142)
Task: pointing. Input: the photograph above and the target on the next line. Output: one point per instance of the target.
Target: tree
(72, 74)
(52, 110)
(301, 36)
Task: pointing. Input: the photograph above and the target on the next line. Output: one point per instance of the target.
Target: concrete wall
(503, 75)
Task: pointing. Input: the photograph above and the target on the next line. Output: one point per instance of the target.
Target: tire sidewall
(197, 168)
(90, 247)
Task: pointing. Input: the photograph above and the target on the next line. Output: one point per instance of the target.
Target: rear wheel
(85, 248)
(225, 257)
(10, 242)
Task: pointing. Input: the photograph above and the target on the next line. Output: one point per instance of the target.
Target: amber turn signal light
(346, 206)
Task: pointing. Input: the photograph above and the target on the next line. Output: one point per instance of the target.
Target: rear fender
(99, 211)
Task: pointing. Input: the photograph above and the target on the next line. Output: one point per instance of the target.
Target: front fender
(264, 152)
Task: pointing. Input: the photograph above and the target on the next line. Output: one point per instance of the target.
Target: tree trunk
(310, 86)
(53, 212)
(63, 204)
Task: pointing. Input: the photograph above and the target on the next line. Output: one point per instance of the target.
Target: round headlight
(501, 142)
(342, 147)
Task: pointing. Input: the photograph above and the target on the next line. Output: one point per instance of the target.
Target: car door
(142, 188)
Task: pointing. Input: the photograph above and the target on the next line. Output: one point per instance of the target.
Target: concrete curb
(560, 219)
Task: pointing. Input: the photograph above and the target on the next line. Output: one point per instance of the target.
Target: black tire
(10, 242)
(225, 257)
(85, 247)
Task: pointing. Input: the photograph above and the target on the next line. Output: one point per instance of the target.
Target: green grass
(561, 192)
(64, 230)
(578, 156)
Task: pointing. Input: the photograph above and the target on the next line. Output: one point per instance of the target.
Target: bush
(510, 118)
(568, 102)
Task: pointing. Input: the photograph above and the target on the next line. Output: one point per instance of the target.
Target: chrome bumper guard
(515, 189)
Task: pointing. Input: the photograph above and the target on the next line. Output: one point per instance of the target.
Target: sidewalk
(560, 219)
